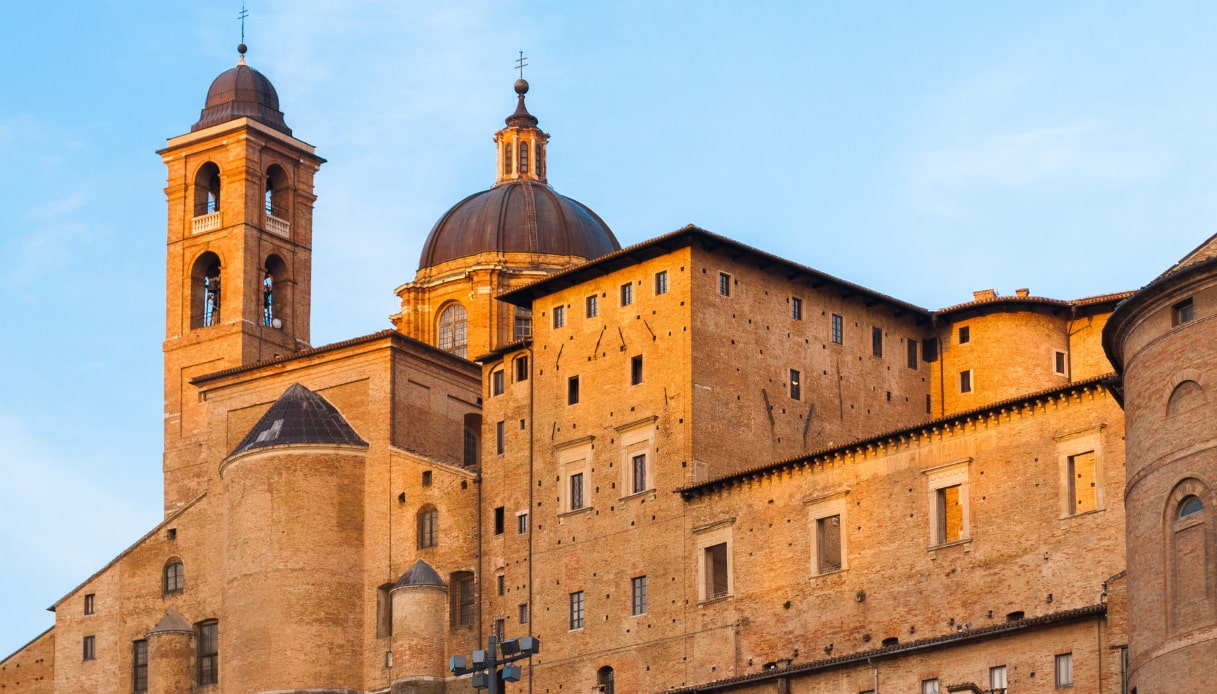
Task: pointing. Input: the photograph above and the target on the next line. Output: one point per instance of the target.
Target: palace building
(683, 465)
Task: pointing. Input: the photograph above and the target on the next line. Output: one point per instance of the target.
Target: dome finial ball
(241, 48)
(521, 86)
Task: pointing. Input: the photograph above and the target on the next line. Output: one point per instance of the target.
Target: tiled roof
(299, 416)
(421, 574)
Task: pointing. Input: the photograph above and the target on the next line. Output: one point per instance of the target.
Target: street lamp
(485, 664)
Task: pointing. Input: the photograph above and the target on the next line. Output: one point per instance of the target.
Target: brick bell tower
(239, 256)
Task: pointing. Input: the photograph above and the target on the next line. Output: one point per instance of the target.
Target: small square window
(965, 334)
(1182, 312)
(636, 370)
(171, 534)
(1064, 670)
(661, 282)
(627, 294)
(499, 520)
(965, 381)
(592, 306)
(838, 329)
(522, 523)
(523, 613)
(521, 368)
(724, 284)
(572, 390)
(1060, 364)
(876, 341)
(89, 603)
(559, 316)
(576, 610)
(499, 438)
(496, 382)
(796, 308)
(796, 385)
(426, 478)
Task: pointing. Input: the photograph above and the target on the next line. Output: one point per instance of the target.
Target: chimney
(984, 294)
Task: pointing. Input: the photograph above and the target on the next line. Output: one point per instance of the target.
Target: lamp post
(485, 664)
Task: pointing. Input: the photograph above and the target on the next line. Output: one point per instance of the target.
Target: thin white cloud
(56, 208)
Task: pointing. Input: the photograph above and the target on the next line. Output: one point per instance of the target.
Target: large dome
(522, 216)
(242, 92)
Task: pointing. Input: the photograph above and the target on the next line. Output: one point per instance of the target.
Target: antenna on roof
(520, 64)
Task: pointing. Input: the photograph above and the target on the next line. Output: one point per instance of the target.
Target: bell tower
(239, 255)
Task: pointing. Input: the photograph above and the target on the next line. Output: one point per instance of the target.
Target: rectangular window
(1082, 490)
(576, 491)
(426, 478)
(500, 584)
(499, 520)
(1064, 670)
(636, 370)
(828, 543)
(716, 571)
(522, 523)
(521, 368)
(209, 653)
(523, 613)
(796, 308)
(965, 334)
(661, 282)
(559, 316)
(950, 514)
(591, 306)
(88, 648)
(912, 348)
(576, 610)
(796, 385)
(467, 601)
(572, 390)
(498, 628)
(89, 603)
(496, 382)
(965, 381)
(1059, 363)
(627, 294)
(1182, 312)
(139, 666)
(499, 438)
(638, 595)
(876, 341)
(523, 324)
(997, 677)
(724, 284)
(929, 686)
(639, 473)
(838, 329)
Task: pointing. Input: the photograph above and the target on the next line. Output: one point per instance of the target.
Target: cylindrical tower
(1162, 343)
(170, 655)
(293, 568)
(420, 616)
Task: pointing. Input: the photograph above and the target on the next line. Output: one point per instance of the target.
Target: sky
(925, 150)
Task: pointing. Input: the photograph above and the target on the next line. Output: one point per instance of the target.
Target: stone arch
(207, 189)
(453, 329)
(1185, 396)
(205, 294)
(276, 291)
(1189, 543)
(278, 189)
(604, 680)
(173, 576)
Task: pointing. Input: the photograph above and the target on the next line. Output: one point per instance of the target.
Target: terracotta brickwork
(31, 670)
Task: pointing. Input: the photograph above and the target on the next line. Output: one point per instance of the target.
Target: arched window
(604, 680)
(524, 157)
(207, 190)
(174, 577)
(274, 295)
(454, 330)
(428, 527)
(1191, 581)
(205, 291)
(277, 188)
(1185, 396)
(507, 158)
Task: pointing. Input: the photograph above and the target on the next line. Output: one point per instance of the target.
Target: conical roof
(172, 621)
(421, 574)
(299, 416)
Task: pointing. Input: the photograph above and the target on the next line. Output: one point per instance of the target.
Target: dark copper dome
(242, 91)
(518, 217)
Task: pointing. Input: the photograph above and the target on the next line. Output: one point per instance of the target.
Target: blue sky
(922, 149)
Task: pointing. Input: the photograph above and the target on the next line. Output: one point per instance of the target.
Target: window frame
(500, 520)
(559, 316)
(1069, 447)
(207, 653)
(820, 508)
(88, 648)
(639, 475)
(522, 522)
(90, 604)
(967, 382)
(578, 610)
(876, 341)
(575, 490)
(638, 596)
(427, 527)
(1183, 312)
(796, 308)
(708, 537)
(452, 329)
(964, 334)
(941, 477)
(498, 382)
(795, 384)
(521, 368)
(636, 369)
(1060, 362)
(1063, 670)
(500, 437)
(661, 282)
(572, 390)
(837, 329)
(175, 583)
(912, 361)
(591, 306)
(724, 284)
(627, 293)
(139, 670)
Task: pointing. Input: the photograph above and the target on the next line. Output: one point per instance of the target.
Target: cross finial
(520, 64)
(244, 13)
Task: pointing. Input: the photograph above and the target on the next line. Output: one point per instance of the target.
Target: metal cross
(521, 64)
(242, 16)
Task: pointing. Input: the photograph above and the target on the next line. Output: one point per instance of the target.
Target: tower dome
(520, 213)
(242, 92)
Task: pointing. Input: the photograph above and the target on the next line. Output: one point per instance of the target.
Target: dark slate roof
(299, 416)
(421, 574)
(172, 621)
